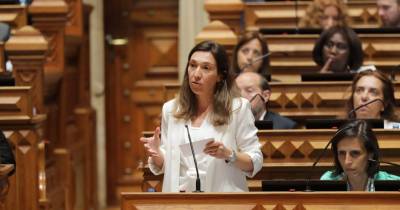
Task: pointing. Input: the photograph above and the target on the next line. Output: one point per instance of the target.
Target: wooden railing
(273, 200)
(24, 131)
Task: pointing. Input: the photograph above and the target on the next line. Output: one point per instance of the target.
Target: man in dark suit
(256, 89)
(6, 155)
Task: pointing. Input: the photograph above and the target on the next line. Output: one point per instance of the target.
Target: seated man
(389, 12)
(255, 88)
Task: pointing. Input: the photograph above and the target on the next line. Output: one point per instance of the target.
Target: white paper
(198, 147)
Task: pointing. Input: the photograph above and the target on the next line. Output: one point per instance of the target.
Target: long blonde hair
(187, 104)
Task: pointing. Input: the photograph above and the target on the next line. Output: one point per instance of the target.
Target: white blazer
(240, 134)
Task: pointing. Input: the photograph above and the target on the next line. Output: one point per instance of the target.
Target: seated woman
(356, 155)
(370, 85)
(208, 108)
(251, 54)
(338, 49)
(325, 14)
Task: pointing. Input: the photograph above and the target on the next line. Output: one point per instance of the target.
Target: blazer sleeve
(247, 139)
(164, 130)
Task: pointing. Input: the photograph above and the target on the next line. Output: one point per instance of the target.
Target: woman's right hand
(326, 67)
(152, 144)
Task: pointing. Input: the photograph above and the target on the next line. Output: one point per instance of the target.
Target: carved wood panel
(142, 52)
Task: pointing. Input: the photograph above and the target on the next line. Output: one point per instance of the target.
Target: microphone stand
(351, 113)
(308, 189)
(255, 60)
(198, 184)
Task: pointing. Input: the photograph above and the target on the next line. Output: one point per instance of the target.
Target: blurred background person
(367, 86)
(356, 156)
(389, 12)
(209, 107)
(325, 14)
(248, 54)
(338, 49)
(256, 89)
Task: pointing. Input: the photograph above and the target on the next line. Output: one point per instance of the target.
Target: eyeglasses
(339, 46)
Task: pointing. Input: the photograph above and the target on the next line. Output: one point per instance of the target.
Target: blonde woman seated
(325, 14)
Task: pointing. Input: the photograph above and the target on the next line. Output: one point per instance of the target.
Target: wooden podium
(261, 201)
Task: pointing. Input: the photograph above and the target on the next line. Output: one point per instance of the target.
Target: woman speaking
(209, 107)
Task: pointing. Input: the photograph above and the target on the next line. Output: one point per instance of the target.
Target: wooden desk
(259, 201)
(289, 154)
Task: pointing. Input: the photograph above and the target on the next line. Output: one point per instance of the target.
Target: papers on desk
(198, 147)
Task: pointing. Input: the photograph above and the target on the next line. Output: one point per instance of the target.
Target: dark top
(6, 155)
(280, 122)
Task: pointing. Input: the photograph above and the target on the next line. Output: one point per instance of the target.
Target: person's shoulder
(330, 175)
(169, 106)
(287, 122)
(383, 175)
(239, 103)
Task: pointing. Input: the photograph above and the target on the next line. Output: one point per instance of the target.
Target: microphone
(386, 162)
(351, 114)
(255, 60)
(339, 131)
(198, 184)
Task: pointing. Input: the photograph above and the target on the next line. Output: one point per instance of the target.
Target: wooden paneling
(16, 102)
(15, 15)
(228, 11)
(24, 131)
(141, 57)
(262, 201)
(290, 154)
(26, 50)
(282, 14)
(301, 99)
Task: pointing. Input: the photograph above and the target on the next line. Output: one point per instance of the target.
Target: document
(198, 147)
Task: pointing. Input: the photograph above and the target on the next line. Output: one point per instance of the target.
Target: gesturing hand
(152, 144)
(217, 149)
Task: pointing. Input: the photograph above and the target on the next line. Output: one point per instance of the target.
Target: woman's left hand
(217, 149)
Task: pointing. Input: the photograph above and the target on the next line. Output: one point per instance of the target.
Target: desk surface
(261, 200)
